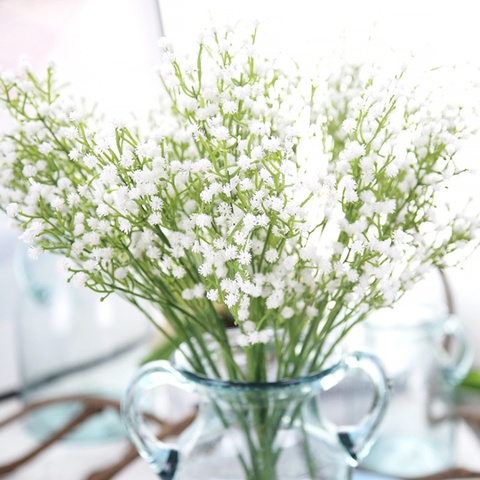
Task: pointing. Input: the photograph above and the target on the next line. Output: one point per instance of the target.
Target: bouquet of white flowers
(299, 202)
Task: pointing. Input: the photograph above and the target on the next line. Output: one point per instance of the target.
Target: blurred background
(107, 49)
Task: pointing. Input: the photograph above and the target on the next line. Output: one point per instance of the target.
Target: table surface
(77, 460)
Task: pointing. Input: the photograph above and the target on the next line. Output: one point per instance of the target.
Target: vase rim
(179, 361)
(220, 383)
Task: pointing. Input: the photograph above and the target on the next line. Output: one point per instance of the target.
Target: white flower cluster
(300, 204)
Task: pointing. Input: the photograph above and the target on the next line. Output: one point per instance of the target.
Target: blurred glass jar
(70, 344)
(425, 354)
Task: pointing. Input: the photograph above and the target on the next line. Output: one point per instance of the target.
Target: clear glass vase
(267, 431)
(425, 356)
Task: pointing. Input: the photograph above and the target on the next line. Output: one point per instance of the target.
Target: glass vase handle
(162, 456)
(359, 438)
(456, 369)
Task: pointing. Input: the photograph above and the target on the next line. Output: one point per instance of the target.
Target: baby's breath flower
(108, 175)
(230, 107)
(12, 209)
(286, 197)
(57, 203)
(220, 132)
(231, 299)
(187, 294)
(287, 312)
(244, 258)
(45, 148)
(90, 160)
(70, 133)
(121, 273)
(349, 125)
(271, 255)
(124, 225)
(74, 154)
(203, 220)
(271, 144)
(155, 219)
(79, 279)
(205, 269)
(102, 210)
(73, 199)
(90, 265)
(34, 252)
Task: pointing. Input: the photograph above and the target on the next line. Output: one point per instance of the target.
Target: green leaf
(472, 380)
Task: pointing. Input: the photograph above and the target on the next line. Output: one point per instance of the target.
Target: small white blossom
(108, 175)
(74, 154)
(91, 238)
(198, 291)
(249, 222)
(90, 160)
(244, 162)
(12, 209)
(57, 203)
(271, 255)
(220, 133)
(33, 231)
(155, 219)
(275, 299)
(73, 199)
(178, 272)
(231, 299)
(79, 279)
(212, 295)
(271, 144)
(287, 312)
(230, 107)
(103, 210)
(45, 148)
(205, 269)
(153, 252)
(90, 265)
(257, 153)
(187, 294)
(74, 116)
(245, 258)
(399, 236)
(124, 225)
(357, 246)
(79, 229)
(70, 133)
(203, 220)
(34, 252)
(349, 125)
(121, 273)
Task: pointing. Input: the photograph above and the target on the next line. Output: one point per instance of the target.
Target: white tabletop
(69, 460)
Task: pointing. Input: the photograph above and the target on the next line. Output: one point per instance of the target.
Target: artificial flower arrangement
(299, 202)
